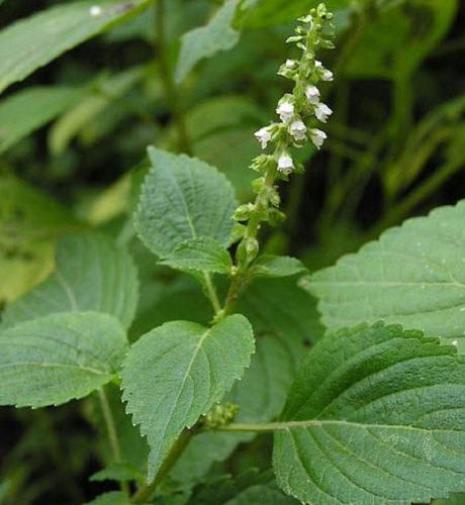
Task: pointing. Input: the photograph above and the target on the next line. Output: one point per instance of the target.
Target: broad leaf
(183, 198)
(25, 111)
(201, 254)
(91, 273)
(30, 221)
(277, 266)
(35, 41)
(413, 275)
(59, 357)
(217, 35)
(375, 417)
(176, 372)
(262, 495)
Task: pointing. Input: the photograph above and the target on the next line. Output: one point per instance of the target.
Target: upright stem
(112, 433)
(211, 292)
(146, 493)
(171, 91)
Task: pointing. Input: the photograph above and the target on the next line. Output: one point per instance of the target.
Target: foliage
(172, 330)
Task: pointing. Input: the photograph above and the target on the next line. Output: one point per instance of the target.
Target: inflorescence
(299, 113)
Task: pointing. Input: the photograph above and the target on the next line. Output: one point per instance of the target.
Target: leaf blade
(364, 408)
(91, 274)
(189, 377)
(39, 39)
(411, 275)
(59, 357)
(203, 42)
(181, 199)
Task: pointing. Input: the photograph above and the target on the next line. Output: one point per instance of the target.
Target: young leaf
(25, 111)
(59, 357)
(412, 275)
(176, 372)
(91, 273)
(110, 498)
(201, 254)
(217, 35)
(277, 266)
(183, 198)
(375, 417)
(35, 41)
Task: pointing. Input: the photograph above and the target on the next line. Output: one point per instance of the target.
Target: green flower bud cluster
(220, 415)
(299, 112)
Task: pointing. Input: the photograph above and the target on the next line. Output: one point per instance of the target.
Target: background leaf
(59, 357)
(91, 273)
(39, 39)
(413, 275)
(25, 111)
(365, 424)
(178, 371)
(183, 198)
(217, 35)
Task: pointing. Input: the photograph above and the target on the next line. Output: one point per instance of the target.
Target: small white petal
(322, 112)
(318, 137)
(95, 11)
(327, 75)
(285, 111)
(263, 136)
(290, 64)
(455, 342)
(285, 163)
(298, 130)
(312, 93)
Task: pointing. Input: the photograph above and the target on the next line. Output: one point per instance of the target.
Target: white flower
(285, 110)
(318, 137)
(312, 93)
(290, 64)
(95, 11)
(263, 136)
(298, 130)
(322, 112)
(326, 75)
(285, 163)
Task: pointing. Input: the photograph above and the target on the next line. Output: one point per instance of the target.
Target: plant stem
(171, 91)
(112, 433)
(145, 493)
(211, 293)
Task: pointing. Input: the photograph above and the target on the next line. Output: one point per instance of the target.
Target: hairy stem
(112, 433)
(145, 493)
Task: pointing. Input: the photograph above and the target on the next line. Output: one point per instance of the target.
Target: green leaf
(392, 54)
(59, 357)
(375, 417)
(91, 273)
(110, 498)
(25, 111)
(117, 471)
(200, 43)
(179, 371)
(33, 42)
(458, 499)
(183, 198)
(201, 254)
(262, 495)
(280, 307)
(30, 221)
(413, 275)
(89, 109)
(277, 266)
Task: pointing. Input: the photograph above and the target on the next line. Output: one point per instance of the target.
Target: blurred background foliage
(72, 155)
